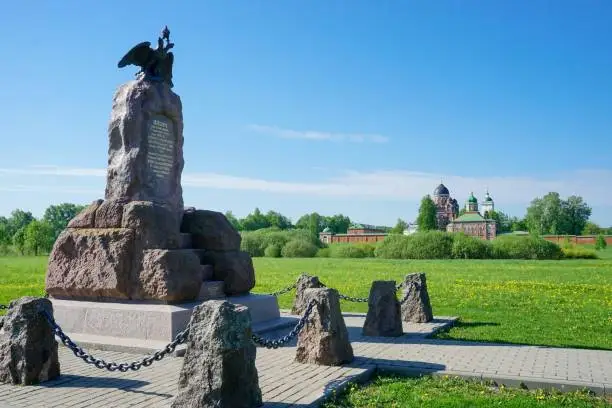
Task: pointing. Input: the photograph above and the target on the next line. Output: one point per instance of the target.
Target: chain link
(276, 343)
(283, 291)
(352, 298)
(348, 298)
(289, 288)
(112, 366)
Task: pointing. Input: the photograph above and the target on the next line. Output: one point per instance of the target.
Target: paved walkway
(287, 384)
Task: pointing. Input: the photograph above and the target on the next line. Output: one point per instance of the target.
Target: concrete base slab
(138, 326)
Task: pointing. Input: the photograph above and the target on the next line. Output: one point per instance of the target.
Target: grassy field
(436, 392)
(554, 303)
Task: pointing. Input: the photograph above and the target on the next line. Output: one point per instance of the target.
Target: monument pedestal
(144, 327)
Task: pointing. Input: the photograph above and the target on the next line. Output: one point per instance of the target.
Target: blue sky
(354, 107)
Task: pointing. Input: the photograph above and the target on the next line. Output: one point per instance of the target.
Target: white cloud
(384, 185)
(317, 135)
(48, 170)
(18, 188)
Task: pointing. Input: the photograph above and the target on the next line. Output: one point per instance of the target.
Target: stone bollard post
(416, 307)
(28, 350)
(384, 314)
(304, 282)
(219, 364)
(324, 340)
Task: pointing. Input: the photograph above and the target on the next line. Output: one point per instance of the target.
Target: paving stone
(284, 382)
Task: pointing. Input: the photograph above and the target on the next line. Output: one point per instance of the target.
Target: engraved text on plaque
(161, 150)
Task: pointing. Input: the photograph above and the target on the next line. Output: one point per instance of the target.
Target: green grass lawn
(436, 392)
(555, 303)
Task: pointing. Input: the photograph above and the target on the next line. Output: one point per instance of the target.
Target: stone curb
(530, 383)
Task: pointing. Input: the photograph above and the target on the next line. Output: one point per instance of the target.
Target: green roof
(327, 229)
(472, 199)
(488, 198)
(470, 217)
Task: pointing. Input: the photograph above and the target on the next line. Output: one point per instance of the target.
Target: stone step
(207, 272)
(211, 290)
(185, 241)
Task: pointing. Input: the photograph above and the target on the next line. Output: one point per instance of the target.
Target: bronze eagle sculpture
(155, 64)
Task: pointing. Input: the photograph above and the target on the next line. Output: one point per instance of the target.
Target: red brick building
(447, 207)
(355, 233)
(472, 223)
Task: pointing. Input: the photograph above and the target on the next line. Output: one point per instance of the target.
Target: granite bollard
(416, 307)
(304, 282)
(28, 350)
(324, 340)
(384, 313)
(219, 364)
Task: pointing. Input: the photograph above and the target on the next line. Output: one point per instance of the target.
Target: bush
(323, 253)
(421, 245)
(579, 253)
(600, 243)
(299, 248)
(393, 247)
(467, 247)
(369, 248)
(251, 243)
(531, 247)
(256, 242)
(273, 251)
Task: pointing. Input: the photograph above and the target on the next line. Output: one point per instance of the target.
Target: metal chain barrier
(343, 297)
(348, 298)
(283, 291)
(276, 343)
(123, 367)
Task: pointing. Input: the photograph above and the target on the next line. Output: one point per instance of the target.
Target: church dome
(441, 190)
(488, 198)
(472, 199)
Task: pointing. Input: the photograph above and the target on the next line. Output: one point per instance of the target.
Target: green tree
(544, 215)
(233, 220)
(600, 243)
(590, 228)
(38, 237)
(19, 238)
(312, 222)
(338, 223)
(399, 227)
(518, 224)
(19, 219)
(574, 215)
(552, 215)
(426, 219)
(278, 220)
(503, 223)
(254, 221)
(58, 216)
(5, 236)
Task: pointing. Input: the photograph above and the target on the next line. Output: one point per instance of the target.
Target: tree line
(547, 215)
(25, 233)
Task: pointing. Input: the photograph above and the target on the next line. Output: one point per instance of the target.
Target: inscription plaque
(161, 150)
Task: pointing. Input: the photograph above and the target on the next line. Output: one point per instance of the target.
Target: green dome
(488, 198)
(472, 199)
(327, 230)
